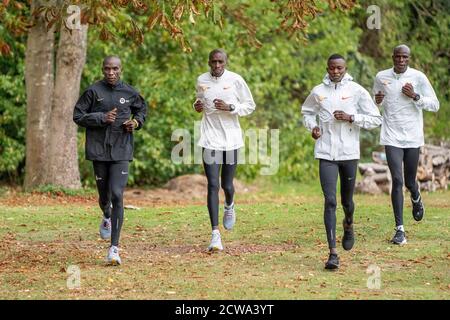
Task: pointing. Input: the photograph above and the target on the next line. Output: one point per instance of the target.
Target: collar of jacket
(326, 80)
(217, 78)
(117, 85)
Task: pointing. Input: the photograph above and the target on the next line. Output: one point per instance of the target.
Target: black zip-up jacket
(109, 142)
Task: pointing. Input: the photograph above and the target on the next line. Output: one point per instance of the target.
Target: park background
(281, 69)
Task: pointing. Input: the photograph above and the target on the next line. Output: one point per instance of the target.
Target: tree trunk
(39, 81)
(63, 156)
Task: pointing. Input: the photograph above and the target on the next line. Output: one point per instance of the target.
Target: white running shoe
(216, 242)
(113, 256)
(105, 228)
(229, 217)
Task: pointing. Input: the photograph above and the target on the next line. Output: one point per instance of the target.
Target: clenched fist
(316, 134)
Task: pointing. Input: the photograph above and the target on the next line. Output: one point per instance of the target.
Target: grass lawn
(277, 250)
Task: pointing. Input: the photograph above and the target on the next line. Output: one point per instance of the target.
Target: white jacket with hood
(339, 139)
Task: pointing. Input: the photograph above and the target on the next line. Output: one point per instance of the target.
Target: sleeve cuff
(419, 103)
(357, 118)
(103, 119)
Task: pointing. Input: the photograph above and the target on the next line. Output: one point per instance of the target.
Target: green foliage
(12, 115)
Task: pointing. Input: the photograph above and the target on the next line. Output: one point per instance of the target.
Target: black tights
(328, 171)
(409, 158)
(213, 160)
(111, 178)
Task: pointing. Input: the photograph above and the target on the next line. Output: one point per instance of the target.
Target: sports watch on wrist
(352, 118)
(416, 97)
(232, 107)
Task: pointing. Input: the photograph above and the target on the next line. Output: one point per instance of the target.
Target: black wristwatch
(417, 97)
(352, 118)
(232, 107)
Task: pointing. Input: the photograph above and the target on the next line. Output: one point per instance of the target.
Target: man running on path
(222, 96)
(342, 107)
(110, 110)
(403, 93)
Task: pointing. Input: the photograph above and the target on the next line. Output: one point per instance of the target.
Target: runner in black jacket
(105, 109)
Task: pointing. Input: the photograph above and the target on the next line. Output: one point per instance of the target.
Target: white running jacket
(220, 130)
(340, 139)
(402, 116)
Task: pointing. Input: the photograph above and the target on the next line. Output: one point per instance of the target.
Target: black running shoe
(349, 237)
(399, 238)
(333, 262)
(418, 209)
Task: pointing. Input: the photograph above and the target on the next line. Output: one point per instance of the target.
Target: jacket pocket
(95, 143)
(122, 145)
(349, 137)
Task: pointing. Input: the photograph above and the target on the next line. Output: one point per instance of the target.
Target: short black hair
(335, 56)
(218, 51)
(107, 58)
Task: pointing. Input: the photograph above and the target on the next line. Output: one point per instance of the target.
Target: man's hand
(379, 97)
(130, 125)
(198, 105)
(341, 115)
(316, 134)
(221, 105)
(408, 90)
(111, 116)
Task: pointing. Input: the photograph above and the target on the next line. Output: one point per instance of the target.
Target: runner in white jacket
(342, 108)
(403, 93)
(222, 96)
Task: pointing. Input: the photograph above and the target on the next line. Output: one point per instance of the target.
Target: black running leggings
(328, 171)
(213, 160)
(408, 158)
(111, 178)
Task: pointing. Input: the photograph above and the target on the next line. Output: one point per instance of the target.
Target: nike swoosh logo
(124, 172)
(100, 99)
(344, 98)
(98, 178)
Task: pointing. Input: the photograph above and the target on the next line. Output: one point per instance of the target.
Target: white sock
(417, 200)
(216, 231)
(400, 227)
